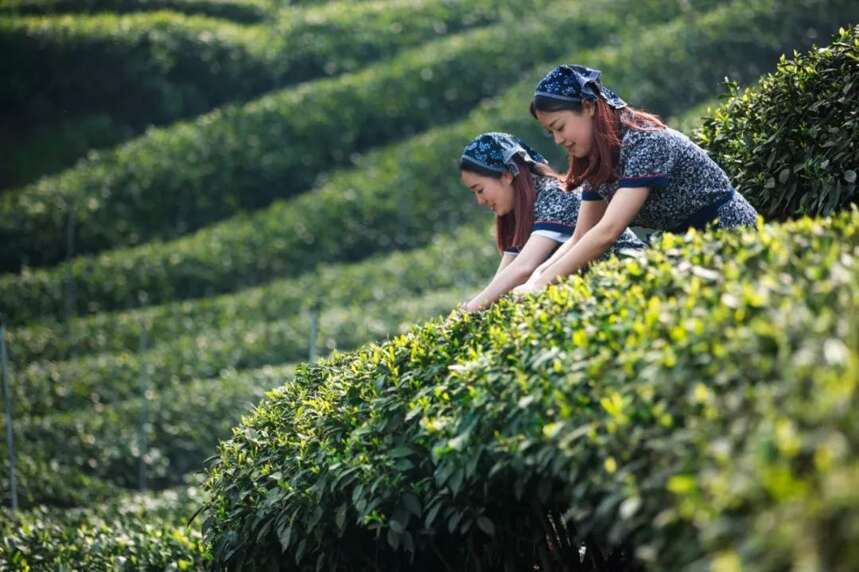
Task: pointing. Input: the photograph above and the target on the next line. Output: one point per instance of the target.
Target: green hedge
(692, 408)
(144, 68)
(42, 480)
(367, 204)
(245, 11)
(462, 259)
(174, 180)
(103, 445)
(185, 422)
(45, 387)
(124, 536)
(165, 66)
(791, 143)
(48, 149)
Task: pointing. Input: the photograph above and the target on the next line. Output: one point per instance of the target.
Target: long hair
(600, 166)
(513, 229)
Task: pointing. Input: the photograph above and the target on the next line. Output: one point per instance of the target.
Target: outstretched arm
(590, 214)
(506, 259)
(619, 213)
(536, 250)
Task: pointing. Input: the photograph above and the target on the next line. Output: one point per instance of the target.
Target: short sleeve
(647, 158)
(557, 236)
(589, 194)
(555, 211)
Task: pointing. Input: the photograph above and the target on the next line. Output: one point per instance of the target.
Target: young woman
(633, 170)
(533, 212)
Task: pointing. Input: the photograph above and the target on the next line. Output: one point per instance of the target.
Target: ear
(507, 178)
(590, 107)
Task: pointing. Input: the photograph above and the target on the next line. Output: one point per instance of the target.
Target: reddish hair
(600, 166)
(513, 229)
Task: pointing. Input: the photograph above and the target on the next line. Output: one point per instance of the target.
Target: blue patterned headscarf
(495, 152)
(570, 82)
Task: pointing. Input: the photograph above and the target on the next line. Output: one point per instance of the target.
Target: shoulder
(547, 184)
(635, 141)
(550, 190)
(650, 151)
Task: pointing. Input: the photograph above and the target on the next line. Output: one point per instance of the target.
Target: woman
(633, 170)
(533, 212)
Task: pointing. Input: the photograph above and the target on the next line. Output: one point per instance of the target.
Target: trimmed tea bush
(42, 480)
(104, 445)
(654, 408)
(47, 539)
(58, 102)
(245, 11)
(141, 68)
(184, 423)
(45, 387)
(462, 259)
(791, 143)
(175, 180)
(400, 196)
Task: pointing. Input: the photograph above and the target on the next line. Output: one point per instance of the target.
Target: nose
(558, 139)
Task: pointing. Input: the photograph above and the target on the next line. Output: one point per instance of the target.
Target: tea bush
(245, 11)
(44, 387)
(99, 540)
(694, 408)
(367, 204)
(44, 481)
(791, 142)
(458, 260)
(102, 448)
(185, 66)
(174, 180)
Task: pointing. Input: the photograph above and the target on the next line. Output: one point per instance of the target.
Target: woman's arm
(619, 213)
(506, 259)
(537, 249)
(590, 213)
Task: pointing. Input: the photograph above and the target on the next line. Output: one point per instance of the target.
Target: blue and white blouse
(556, 213)
(688, 188)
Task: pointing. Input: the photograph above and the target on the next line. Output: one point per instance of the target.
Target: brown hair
(600, 166)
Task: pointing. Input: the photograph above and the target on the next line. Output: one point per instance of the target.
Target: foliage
(80, 80)
(100, 450)
(457, 260)
(44, 387)
(368, 204)
(246, 11)
(137, 532)
(791, 143)
(509, 436)
(242, 156)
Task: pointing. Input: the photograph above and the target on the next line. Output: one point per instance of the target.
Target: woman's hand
(471, 306)
(533, 285)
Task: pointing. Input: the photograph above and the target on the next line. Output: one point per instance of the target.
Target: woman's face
(572, 130)
(496, 194)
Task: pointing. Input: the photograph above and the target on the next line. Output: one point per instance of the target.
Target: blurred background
(197, 195)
